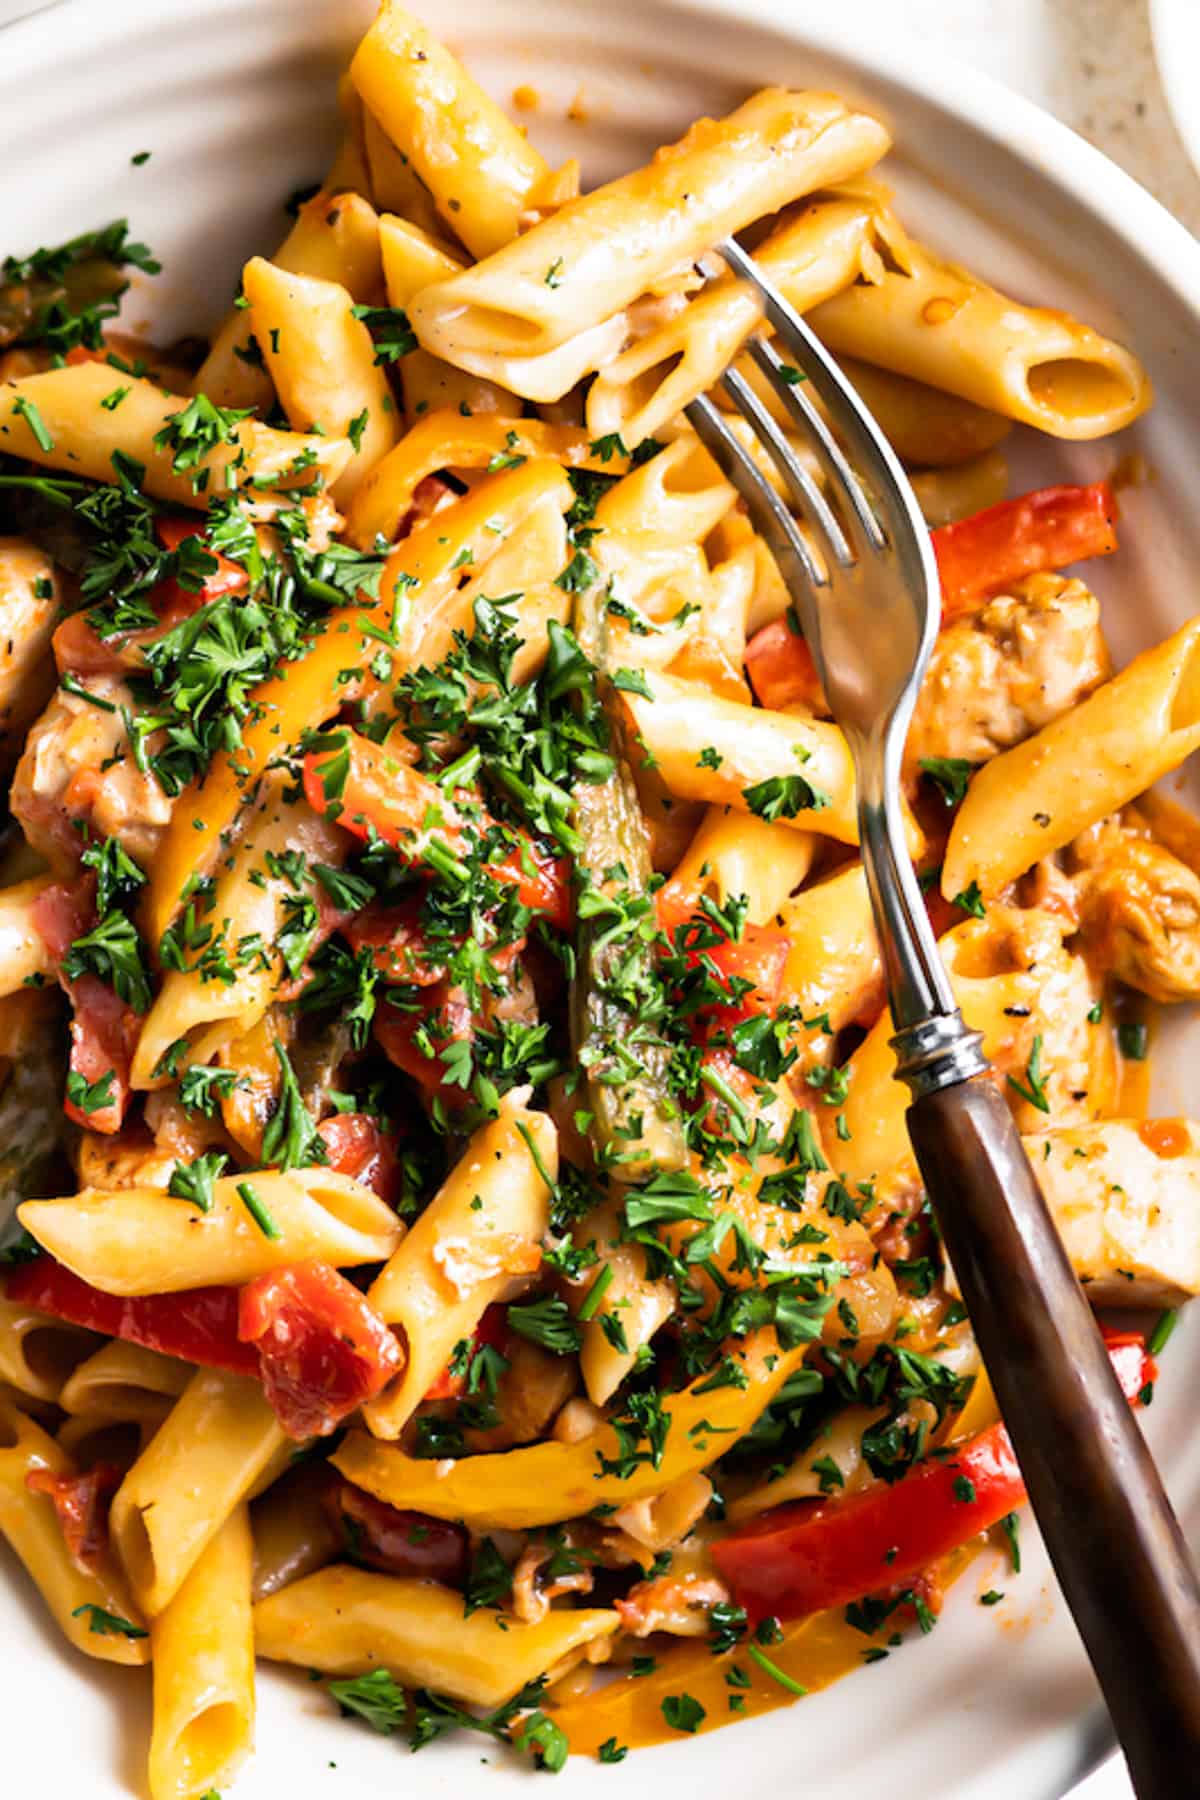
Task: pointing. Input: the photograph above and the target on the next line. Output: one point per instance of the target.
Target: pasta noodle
(79, 433)
(347, 1621)
(478, 1237)
(550, 1482)
(931, 320)
(203, 1649)
(219, 1445)
(79, 1600)
(1033, 799)
(568, 281)
(143, 1241)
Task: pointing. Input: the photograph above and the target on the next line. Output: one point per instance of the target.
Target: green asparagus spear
(616, 999)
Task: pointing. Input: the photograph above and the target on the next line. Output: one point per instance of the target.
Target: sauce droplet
(1166, 1137)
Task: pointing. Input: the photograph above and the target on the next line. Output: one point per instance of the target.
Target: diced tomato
(62, 913)
(781, 667)
(200, 1325)
(358, 1148)
(80, 650)
(802, 1559)
(978, 556)
(396, 936)
(78, 646)
(492, 1331)
(447, 1019)
(759, 957)
(398, 1543)
(104, 1030)
(1047, 529)
(323, 1349)
(172, 602)
(543, 883)
(82, 1503)
(104, 1034)
(383, 796)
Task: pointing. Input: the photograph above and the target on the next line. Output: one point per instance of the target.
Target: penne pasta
(144, 1241)
(809, 258)
(38, 1354)
(796, 770)
(78, 433)
(444, 439)
(1031, 800)
(125, 1382)
(422, 593)
(937, 323)
(336, 237)
(220, 1445)
(478, 167)
(322, 362)
(477, 1242)
(539, 313)
(239, 971)
(347, 1621)
(203, 1650)
(630, 1299)
(833, 969)
(94, 1609)
(736, 854)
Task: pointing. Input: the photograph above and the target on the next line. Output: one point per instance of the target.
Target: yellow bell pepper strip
(445, 440)
(812, 1654)
(421, 577)
(544, 1484)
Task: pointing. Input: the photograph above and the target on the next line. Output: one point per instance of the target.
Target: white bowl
(1175, 26)
(234, 100)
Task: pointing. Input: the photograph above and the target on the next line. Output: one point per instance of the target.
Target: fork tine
(867, 445)
(844, 478)
(771, 517)
(800, 485)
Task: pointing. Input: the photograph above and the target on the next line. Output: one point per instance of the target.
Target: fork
(865, 587)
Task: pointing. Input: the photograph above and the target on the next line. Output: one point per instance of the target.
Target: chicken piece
(1126, 1198)
(1021, 660)
(533, 1388)
(675, 1604)
(29, 603)
(77, 766)
(1139, 910)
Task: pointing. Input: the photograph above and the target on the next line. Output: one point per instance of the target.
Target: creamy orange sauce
(1166, 1137)
(815, 1652)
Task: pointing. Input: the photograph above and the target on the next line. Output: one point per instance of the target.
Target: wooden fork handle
(1112, 1535)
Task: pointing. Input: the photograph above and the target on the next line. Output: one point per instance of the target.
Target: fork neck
(934, 1048)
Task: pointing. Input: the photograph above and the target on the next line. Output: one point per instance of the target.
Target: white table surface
(1091, 63)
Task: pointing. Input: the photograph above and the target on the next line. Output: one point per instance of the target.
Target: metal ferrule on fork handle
(938, 1053)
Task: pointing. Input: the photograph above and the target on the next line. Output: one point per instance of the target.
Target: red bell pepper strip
(198, 1324)
(383, 1537)
(803, 1559)
(976, 557)
(322, 1347)
(1047, 529)
(370, 792)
